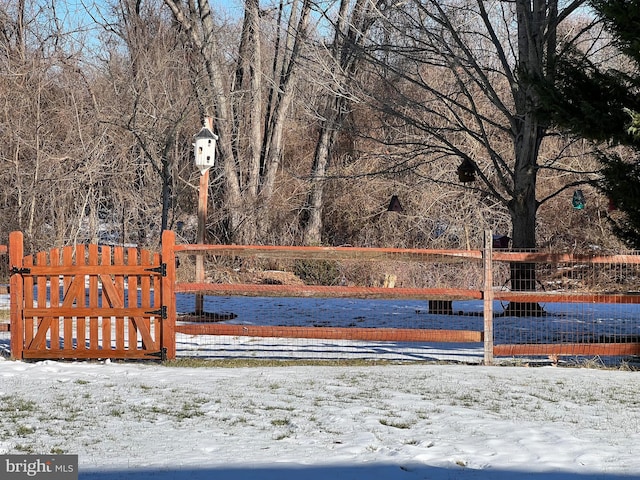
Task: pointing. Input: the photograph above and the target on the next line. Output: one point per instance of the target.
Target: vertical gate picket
(93, 297)
(69, 283)
(118, 259)
(28, 301)
(81, 320)
(132, 298)
(106, 321)
(40, 324)
(145, 294)
(54, 301)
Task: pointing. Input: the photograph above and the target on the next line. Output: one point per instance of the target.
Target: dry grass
(257, 362)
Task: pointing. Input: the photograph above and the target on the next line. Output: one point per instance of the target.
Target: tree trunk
(315, 202)
(523, 206)
(537, 22)
(523, 209)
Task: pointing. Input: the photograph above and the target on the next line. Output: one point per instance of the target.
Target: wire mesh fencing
(573, 304)
(408, 304)
(330, 303)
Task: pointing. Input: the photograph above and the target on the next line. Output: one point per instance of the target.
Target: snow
(394, 421)
(397, 421)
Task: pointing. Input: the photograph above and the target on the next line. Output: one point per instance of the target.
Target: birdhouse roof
(205, 133)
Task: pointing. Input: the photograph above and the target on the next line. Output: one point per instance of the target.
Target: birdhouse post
(204, 152)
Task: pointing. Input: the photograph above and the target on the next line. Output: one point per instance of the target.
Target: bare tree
(249, 99)
(460, 84)
(50, 153)
(153, 104)
(343, 57)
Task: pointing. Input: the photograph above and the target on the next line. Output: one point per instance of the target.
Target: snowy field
(413, 421)
(418, 421)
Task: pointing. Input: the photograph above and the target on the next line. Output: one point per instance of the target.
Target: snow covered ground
(417, 421)
(411, 421)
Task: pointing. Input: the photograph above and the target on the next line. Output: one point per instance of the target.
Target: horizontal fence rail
(333, 253)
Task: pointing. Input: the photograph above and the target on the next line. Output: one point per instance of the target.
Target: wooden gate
(90, 302)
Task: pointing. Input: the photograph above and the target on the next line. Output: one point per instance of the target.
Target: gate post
(16, 294)
(487, 294)
(169, 294)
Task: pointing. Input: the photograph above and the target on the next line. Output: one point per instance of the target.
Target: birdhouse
(466, 171)
(578, 201)
(395, 205)
(500, 241)
(204, 149)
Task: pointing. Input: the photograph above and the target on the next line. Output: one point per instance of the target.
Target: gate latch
(19, 271)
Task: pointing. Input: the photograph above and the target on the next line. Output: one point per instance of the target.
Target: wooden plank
(54, 287)
(145, 299)
(16, 295)
(29, 301)
(106, 322)
(73, 287)
(568, 349)
(90, 270)
(118, 280)
(331, 333)
(487, 293)
(91, 354)
(167, 294)
(561, 297)
(541, 257)
(94, 285)
(335, 253)
(132, 301)
(315, 291)
(117, 311)
(81, 321)
(421, 255)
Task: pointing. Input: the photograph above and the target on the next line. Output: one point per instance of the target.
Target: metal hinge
(162, 354)
(161, 312)
(20, 271)
(161, 269)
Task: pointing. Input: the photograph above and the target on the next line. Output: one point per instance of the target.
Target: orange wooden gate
(90, 302)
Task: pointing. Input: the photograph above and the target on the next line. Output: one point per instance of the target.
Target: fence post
(16, 295)
(487, 263)
(169, 293)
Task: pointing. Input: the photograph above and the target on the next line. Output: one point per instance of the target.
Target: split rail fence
(588, 303)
